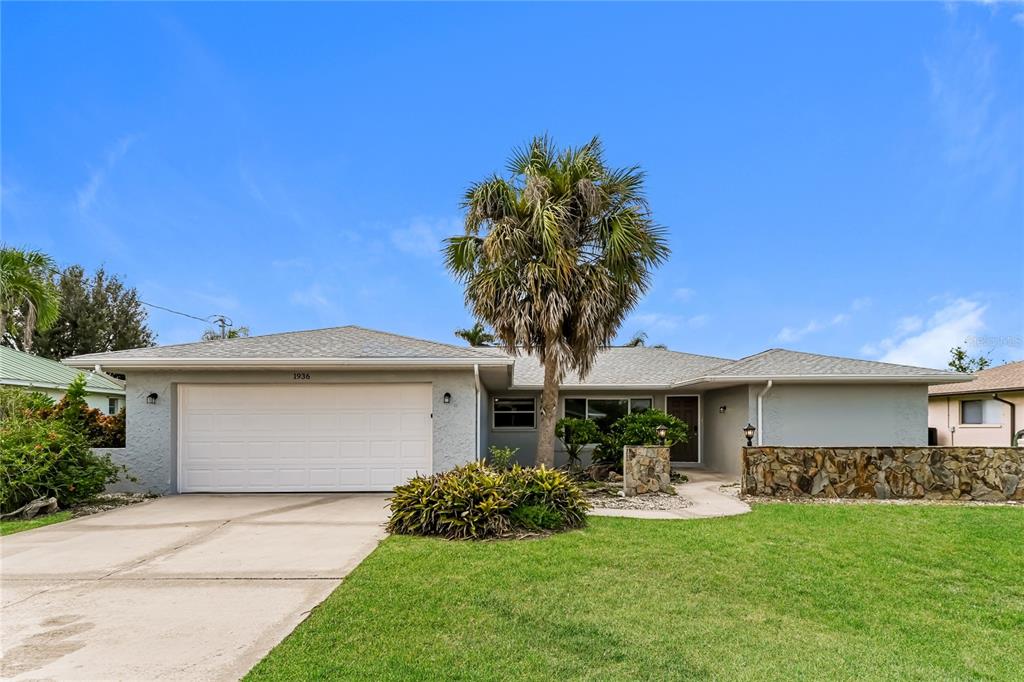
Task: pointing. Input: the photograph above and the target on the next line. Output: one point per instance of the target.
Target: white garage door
(311, 437)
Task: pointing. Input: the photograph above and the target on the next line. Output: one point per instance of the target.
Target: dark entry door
(686, 409)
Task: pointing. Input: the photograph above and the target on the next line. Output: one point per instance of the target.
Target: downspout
(479, 392)
(760, 411)
(1013, 417)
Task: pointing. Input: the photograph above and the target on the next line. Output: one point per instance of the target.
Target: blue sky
(836, 178)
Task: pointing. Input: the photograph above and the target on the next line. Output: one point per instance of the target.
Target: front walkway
(188, 587)
(702, 491)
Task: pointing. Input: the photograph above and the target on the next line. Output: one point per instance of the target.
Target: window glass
(971, 412)
(112, 406)
(515, 413)
(576, 408)
(606, 412)
(639, 404)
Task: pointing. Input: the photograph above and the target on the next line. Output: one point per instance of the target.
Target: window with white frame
(112, 406)
(514, 413)
(605, 411)
(981, 412)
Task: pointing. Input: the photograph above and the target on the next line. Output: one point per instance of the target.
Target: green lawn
(16, 526)
(788, 591)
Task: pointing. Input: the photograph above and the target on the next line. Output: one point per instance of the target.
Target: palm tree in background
(477, 335)
(28, 292)
(640, 340)
(554, 257)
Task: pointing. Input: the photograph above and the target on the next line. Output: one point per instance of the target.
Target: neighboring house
(50, 377)
(988, 411)
(349, 408)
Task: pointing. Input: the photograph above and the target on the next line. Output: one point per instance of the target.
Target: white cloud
(927, 344)
(697, 321)
(319, 298)
(656, 321)
(792, 334)
(85, 196)
(423, 237)
(683, 294)
(1018, 18)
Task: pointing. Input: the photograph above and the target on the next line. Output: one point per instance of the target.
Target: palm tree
(26, 287)
(640, 339)
(554, 257)
(477, 335)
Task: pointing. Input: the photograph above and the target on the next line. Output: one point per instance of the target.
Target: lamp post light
(748, 433)
(662, 432)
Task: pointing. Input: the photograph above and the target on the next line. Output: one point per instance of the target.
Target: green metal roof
(23, 369)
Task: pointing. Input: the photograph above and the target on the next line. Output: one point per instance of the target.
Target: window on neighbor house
(112, 406)
(514, 413)
(605, 411)
(981, 412)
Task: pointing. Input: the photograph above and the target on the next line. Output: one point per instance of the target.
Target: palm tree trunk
(548, 413)
(30, 326)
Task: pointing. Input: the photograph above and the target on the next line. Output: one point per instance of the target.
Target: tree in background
(98, 314)
(212, 334)
(640, 340)
(554, 257)
(477, 335)
(29, 301)
(960, 361)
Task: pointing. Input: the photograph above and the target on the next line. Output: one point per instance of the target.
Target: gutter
(760, 411)
(479, 395)
(1013, 418)
(289, 363)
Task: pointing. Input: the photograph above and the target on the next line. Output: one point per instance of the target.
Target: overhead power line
(221, 320)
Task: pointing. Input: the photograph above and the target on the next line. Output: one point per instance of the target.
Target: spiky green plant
(554, 257)
(26, 286)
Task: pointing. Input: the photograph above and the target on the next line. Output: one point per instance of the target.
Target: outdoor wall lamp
(151, 398)
(662, 431)
(721, 410)
(447, 398)
(748, 433)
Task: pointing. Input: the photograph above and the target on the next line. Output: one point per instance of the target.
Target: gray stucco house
(348, 408)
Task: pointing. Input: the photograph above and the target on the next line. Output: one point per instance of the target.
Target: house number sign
(300, 376)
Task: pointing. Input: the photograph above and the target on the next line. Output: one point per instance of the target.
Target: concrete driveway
(194, 587)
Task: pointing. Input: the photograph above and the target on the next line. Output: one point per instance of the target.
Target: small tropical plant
(575, 435)
(475, 501)
(640, 428)
(501, 458)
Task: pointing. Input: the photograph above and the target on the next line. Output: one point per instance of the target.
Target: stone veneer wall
(645, 470)
(933, 473)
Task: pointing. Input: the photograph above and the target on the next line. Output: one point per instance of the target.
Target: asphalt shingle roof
(1008, 377)
(625, 366)
(779, 362)
(348, 342)
(24, 369)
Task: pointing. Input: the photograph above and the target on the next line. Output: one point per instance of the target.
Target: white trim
(827, 378)
(700, 426)
(234, 363)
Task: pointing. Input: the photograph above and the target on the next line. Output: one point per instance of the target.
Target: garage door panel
(309, 437)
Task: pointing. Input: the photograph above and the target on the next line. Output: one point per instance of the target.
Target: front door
(686, 408)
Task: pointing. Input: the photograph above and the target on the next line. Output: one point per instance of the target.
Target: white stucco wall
(844, 414)
(151, 447)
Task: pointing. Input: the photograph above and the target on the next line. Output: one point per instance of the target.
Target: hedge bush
(474, 502)
(639, 428)
(47, 457)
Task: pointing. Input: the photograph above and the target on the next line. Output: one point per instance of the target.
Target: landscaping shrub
(101, 430)
(47, 457)
(639, 428)
(501, 458)
(18, 401)
(575, 435)
(475, 501)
